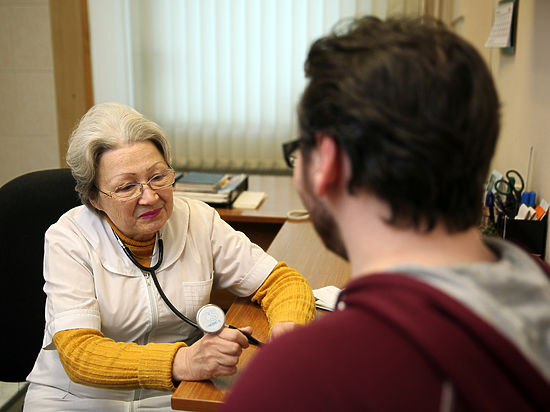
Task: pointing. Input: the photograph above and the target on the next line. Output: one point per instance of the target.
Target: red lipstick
(151, 214)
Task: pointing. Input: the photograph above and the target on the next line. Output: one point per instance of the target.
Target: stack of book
(216, 189)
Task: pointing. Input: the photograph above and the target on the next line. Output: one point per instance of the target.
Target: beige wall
(524, 85)
(523, 82)
(28, 135)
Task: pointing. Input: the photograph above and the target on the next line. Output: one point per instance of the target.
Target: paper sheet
(325, 298)
(502, 26)
(249, 200)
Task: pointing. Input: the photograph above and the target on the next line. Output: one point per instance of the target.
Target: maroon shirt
(399, 345)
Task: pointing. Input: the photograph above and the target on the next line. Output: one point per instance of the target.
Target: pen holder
(530, 234)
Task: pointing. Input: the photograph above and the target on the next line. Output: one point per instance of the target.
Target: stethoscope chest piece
(211, 318)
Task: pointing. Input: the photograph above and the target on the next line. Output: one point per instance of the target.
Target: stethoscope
(210, 317)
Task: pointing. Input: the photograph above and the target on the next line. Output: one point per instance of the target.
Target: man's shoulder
(336, 362)
(390, 333)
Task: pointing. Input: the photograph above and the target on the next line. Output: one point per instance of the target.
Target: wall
(524, 87)
(28, 135)
(475, 23)
(525, 92)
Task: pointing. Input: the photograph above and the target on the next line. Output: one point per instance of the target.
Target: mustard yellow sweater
(91, 359)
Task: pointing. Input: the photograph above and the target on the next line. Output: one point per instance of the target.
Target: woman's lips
(151, 214)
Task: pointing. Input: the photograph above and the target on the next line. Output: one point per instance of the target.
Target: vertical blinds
(222, 77)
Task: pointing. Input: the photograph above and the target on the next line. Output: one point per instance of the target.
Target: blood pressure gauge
(211, 318)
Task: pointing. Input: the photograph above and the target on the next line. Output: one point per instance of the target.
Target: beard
(323, 222)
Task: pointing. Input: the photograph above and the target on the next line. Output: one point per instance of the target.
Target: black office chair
(29, 204)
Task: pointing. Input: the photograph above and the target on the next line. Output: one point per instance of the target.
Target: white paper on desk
(325, 298)
(502, 26)
(249, 200)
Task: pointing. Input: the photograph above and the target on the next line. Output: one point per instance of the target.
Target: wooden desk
(300, 247)
(281, 198)
(298, 244)
(262, 224)
(208, 395)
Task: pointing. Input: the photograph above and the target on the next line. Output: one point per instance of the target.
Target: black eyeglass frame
(289, 148)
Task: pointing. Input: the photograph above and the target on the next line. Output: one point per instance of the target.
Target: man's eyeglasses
(131, 191)
(290, 150)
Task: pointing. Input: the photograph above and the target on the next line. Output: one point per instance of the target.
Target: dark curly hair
(414, 107)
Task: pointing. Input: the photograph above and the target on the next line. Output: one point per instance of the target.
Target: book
(224, 196)
(200, 181)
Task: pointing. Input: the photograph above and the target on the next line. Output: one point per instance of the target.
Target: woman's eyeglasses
(290, 150)
(131, 191)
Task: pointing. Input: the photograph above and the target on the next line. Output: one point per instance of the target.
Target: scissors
(507, 187)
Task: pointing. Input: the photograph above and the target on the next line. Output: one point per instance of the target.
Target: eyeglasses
(289, 151)
(131, 191)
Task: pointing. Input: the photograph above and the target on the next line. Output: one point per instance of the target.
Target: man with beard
(398, 124)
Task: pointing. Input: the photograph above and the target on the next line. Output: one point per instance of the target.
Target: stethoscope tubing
(152, 271)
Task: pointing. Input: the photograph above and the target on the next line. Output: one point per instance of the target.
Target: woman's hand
(211, 356)
(281, 328)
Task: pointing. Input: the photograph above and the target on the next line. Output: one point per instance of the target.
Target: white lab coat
(91, 283)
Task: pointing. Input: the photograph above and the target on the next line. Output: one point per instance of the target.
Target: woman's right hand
(211, 356)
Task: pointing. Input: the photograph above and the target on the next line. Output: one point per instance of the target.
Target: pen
(251, 339)
(490, 203)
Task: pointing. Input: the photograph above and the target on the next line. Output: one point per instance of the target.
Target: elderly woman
(111, 342)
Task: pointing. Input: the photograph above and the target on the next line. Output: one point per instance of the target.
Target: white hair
(104, 127)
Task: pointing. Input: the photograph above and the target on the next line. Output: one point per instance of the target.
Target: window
(221, 77)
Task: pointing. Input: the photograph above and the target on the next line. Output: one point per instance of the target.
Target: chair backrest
(29, 204)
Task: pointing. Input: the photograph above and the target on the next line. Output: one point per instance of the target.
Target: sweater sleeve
(91, 359)
(285, 296)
